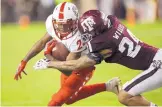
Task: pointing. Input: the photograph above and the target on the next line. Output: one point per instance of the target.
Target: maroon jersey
(126, 49)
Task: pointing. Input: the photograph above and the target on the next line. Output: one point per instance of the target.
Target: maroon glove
(20, 69)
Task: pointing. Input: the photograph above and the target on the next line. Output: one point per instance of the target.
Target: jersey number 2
(79, 43)
(132, 49)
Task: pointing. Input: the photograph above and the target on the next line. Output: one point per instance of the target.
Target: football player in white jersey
(61, 26)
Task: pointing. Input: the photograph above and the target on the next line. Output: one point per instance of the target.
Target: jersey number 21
(133, 49)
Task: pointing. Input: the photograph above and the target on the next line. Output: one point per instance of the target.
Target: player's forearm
(82, 62)
(70, 65)
(63, 65)
(38, 47)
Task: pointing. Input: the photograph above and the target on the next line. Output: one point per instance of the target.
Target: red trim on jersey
(61, 13)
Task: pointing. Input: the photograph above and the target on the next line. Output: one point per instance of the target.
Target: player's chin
(66, 72)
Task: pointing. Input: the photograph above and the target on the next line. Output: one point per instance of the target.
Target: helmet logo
(88, 24)
(75, 11)
(86, 37)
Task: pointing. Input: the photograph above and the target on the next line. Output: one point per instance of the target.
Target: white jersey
(73, 43)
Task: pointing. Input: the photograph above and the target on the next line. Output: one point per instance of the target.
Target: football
(60, 52)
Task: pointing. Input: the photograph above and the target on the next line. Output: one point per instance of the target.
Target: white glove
(113, 85)
(41, 64)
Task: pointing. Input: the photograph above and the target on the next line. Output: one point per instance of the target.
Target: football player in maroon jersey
(109, 40)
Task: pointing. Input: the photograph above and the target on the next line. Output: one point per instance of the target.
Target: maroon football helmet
(91, 24)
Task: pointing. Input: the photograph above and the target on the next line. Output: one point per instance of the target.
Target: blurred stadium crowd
(25, 11)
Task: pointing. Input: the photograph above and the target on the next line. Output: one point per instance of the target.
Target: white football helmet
(64, 18)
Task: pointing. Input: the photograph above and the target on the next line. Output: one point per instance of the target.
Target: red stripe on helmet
(61, 13)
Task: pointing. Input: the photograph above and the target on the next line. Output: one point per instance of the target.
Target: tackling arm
(73, 56)
(82, 62)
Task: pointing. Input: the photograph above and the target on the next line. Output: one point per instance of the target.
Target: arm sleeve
(96, 57)
(93, 52)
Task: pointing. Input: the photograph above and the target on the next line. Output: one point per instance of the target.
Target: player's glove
(49, 46)
(20, 69)
(113, 85)
(41, 64)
